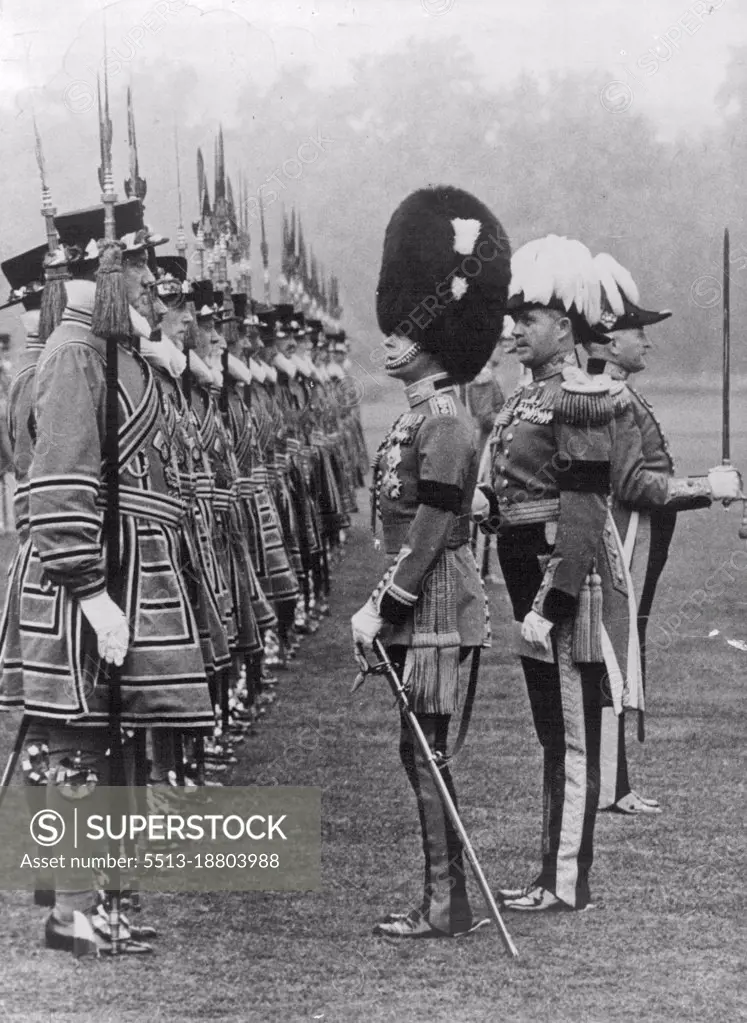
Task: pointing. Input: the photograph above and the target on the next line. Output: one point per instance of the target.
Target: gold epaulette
(584, 400)
(620, 397)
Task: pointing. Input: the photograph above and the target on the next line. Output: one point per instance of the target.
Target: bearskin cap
(444, 278)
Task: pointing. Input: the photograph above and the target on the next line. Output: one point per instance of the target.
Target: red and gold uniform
(647, 496)
(429, 610)
(561, 557)
(433, 602)
(163, 676)
(21, 432)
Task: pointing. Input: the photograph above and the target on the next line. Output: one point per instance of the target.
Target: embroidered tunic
(239, 428)
(199, 557)
(424, 479)
(21, 432)
(163, 677)
(276, 575)
(647, 495)
(551, 450)
(230, 532)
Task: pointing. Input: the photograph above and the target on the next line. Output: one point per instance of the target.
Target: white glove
(480, 506)
(366, 624)
(536, 630)
(110, 626)
(725, 483)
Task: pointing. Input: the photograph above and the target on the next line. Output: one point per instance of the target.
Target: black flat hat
(25, 274)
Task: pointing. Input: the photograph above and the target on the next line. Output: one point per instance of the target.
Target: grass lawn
(666, 943)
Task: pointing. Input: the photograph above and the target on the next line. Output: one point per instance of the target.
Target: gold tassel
(420, 677)
(582, 625)
(111, 310)
(595, 625)
(583, 409)
(432, 672)
(54, 300)
(448, 678)
(587, 626)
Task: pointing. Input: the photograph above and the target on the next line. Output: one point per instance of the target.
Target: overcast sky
(671, 53)
(665, 58)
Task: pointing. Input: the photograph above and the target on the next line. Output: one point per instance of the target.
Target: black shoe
(517, 893)
(79, 937)
(542, 900)
(415, 925)
(102, 927)
(44, 894)
(633, 805)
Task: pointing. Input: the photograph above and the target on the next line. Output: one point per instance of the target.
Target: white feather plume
(559, 268)
(465, 235)
(615, 279)
(458, 287)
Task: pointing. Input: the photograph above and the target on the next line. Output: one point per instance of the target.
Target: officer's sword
(726, 377)
(385, 667)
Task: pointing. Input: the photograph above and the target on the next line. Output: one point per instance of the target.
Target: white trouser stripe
(574, 795)
(609, 753)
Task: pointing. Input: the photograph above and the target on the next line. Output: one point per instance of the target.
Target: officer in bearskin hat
(440, 302)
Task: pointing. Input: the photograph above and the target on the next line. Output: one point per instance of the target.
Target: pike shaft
(725, 432)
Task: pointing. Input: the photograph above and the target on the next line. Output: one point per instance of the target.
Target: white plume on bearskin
(555, 270)
(616, 282)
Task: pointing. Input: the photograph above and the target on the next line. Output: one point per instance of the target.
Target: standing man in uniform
(646, 493)
(68, 622)
(441, 317)
(548, 503)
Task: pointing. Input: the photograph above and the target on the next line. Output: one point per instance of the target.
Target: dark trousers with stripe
(445, 904)
(566, 704)
(566, 708)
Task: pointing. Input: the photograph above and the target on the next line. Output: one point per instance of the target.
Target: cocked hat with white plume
(620, 301)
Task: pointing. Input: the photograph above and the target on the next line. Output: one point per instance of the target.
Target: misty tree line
(546, 158)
